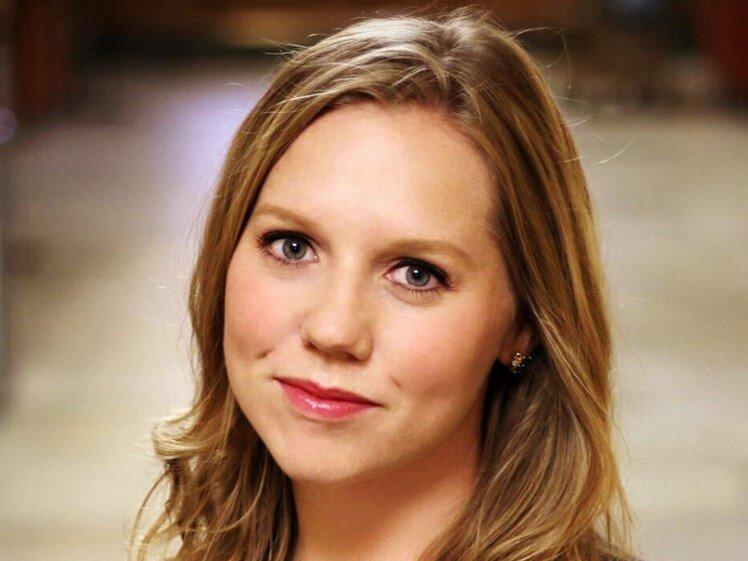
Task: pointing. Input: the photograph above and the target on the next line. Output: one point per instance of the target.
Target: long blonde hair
(549, 487)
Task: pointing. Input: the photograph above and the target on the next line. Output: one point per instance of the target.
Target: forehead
(383, 170)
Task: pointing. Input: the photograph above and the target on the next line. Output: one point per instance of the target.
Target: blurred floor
(101, 213)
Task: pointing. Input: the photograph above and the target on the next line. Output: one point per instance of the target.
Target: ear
(520, 339)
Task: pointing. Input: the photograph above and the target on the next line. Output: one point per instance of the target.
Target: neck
(393, 516)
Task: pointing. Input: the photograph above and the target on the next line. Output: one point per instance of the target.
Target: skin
(382, 484)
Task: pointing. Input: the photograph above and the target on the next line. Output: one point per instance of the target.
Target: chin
(323, 468)
(321, 473)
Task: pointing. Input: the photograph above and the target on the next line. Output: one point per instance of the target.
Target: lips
(334, 394)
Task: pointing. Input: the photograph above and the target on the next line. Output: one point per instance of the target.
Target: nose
(337, 322)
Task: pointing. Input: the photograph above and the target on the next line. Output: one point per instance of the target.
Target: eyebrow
(404, 244)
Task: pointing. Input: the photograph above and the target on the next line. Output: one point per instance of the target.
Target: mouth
(323, 403)
(330, 394)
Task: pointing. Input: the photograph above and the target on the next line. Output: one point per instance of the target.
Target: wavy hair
(548, 486)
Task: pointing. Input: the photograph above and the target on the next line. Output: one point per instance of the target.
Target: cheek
(444, 358)
(256, 313)
(258, 317)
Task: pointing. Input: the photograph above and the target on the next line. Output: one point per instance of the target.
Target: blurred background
(114, 118)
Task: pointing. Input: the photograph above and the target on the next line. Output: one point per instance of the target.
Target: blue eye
(418, 273)
(294, 249)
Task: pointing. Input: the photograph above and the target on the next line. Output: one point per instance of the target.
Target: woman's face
(367, 265)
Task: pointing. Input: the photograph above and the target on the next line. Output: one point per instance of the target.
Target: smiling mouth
(323, 407)
(331, 394)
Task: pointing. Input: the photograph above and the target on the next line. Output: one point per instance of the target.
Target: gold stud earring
(519, 363)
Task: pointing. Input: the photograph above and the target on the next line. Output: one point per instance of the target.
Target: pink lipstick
(323, 403)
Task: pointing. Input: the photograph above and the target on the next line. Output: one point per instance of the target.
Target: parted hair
(548, 487)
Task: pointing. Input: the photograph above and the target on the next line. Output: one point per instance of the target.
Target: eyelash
(264, 241)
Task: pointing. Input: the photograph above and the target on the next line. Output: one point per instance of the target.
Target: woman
(403, 350)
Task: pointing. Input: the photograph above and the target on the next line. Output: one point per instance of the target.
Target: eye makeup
(265, 240)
